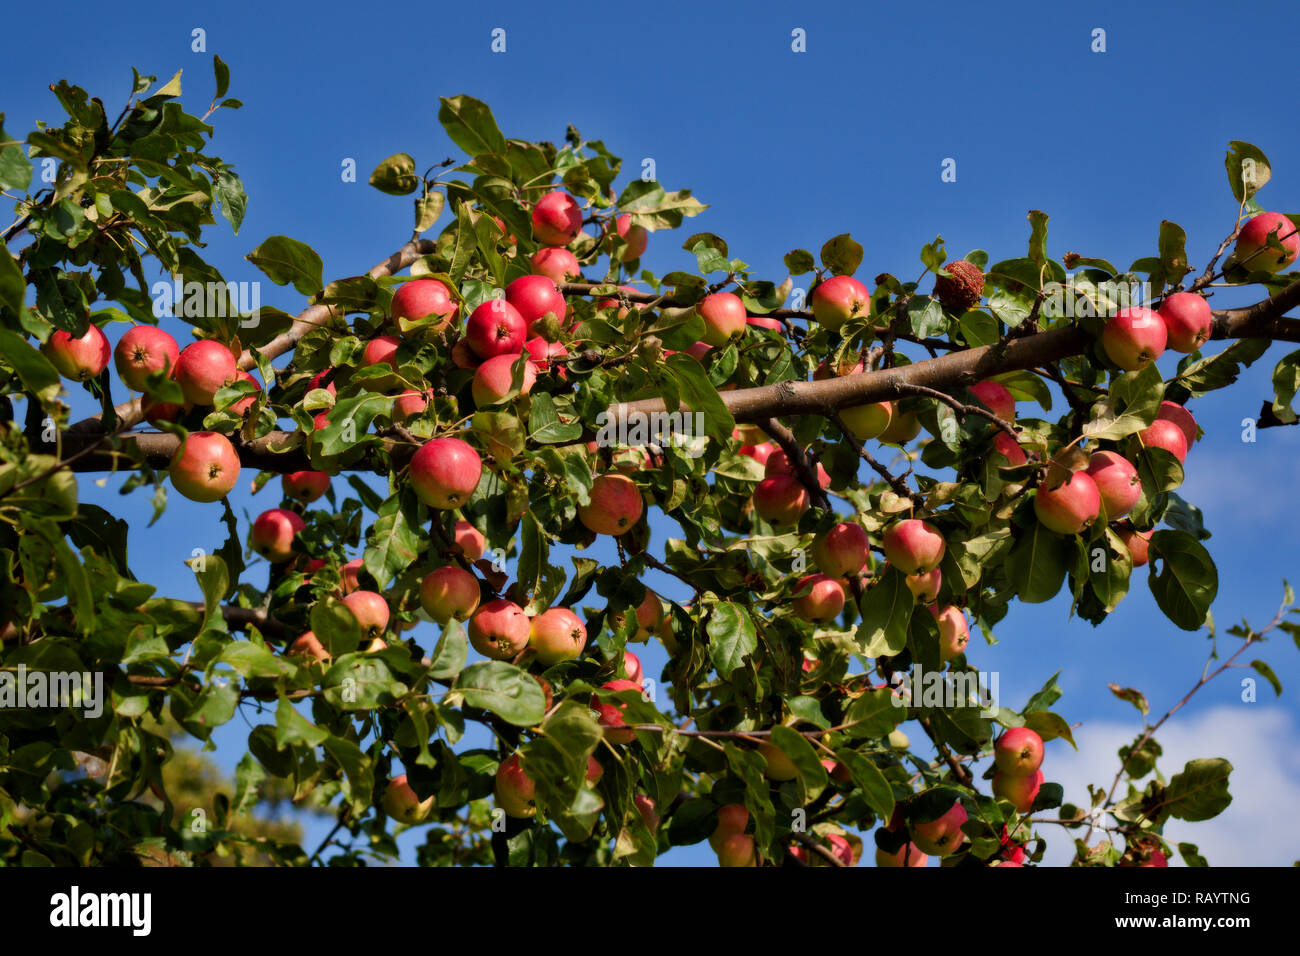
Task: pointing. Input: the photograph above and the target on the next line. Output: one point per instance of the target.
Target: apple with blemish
(954, 633)
(547, 357)
(499, 630)
(1252, 242)
(371, 611)
(495, 328)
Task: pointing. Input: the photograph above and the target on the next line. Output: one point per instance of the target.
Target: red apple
(913, 546)
(1134, 338)
(646, 807)
(615, 505)
(499, 630)
(205, 467)
(273, 534)
(724, 317)
(381, 351)
(202, 369)
(349, 576)
(1162, 433)
(470, 539)
(761, 452)
(421, 298)
(763, 322)
(155, 412)
(611, 714)
(558, 265)
(841, 550)
(1018, 752)
(462, 356)
(732, 818)
(636, 237)
(81, 358)
(778, 463)
(557, 635)
(402, 804)
(822, 603)
(1137, 542)
(370, 610)
(594, 771)
(1188, 321)
(319, 377)
(449, 592)
(409, 404)
(1020, 791)
(1071, 506)
(997, 399)
(943, 836)
(1009, 448)
(143, 350)
(632, 668)
(954, 634)
(1180, 416)
(495, 328)
(514, 791)
(839, 299)
(737, 849)
(1117, 482)
(245, 403)
(867, 421)
(309, 644)
(925, 587)
(445, 472)
(906, 855)
(535, 297)
(1254, 237)
(780, 500)
(649, 615)
(547, 356)
(557, 219)
(492, 382)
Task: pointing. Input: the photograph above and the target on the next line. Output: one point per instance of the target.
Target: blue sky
(789, 149)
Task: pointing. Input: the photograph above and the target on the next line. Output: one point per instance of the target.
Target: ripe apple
(470, 539)
(649, 616)
(514, 790)
(954, 634)
(1020, 791)
(245, 403)
(615, 505)
(1018, 752)
(143, 350)
(737, 849)
(499, 630)
(1009, 448)
(943, 836)
(780, 500)
(316, 380)
(1117, 482)
(402, 804)
(534, 297)
(1137, 542)
(763, 322)
(632, 668)
(778, 463)
(1254, 237)
(779, 766)
(558, 265)
(1134, 338)
(822, 603)
(646, 807)
(610, 714)
(724, 317)
(617, 303)
(1071, 506)
(445, 472)
(867, 421)
(409, 404)
(492, 381)
(906, 855)
(636, 237)
(81, 358)
(349, 579)
(547, 356)
(202, 369)
(839, 299)
(594, 771)
(420, 298)
(462, 356)
(205, 467)
(557, 635)
(841, 550)
(309, 644)
(760, 452)
(495, 328)
(732, 818)
(449, 592)
(381, 350)
(996, 397)
(557, 219)
(1162, 433)
(1180, 416)
(273, 534)
(913, 546)
(1188, 321)
(925, 587)
(155, 412)
(371, 611)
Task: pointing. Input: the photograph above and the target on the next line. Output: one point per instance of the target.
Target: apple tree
(520, 429)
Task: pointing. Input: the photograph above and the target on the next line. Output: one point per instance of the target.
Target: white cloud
(1259, 828)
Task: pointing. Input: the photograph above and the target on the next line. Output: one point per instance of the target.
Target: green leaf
(1221, 370)
(1049, 726)
(38, 376)
(13, 287)
(1038, 563)
(361, 682)
(1131, 405)
(732, 637)
(1037, 237)
(1188, 582)
(1200, 791)
(1248, 169)
(449, 653)
(396, 175)
(292, 727)
(799, 261)
(1191, 855)
(213, 582)
(335, 626)
(866, 776)
(288, 261)
(812, 775)
(886, 613)
(512, 694)
(875, 714)
(1173, 252)
(470, 125)
(842, 255)
(700, 395)
(252, 660)
(1266, 672)
(15, 168)
(1134, 697)
(396, 539)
